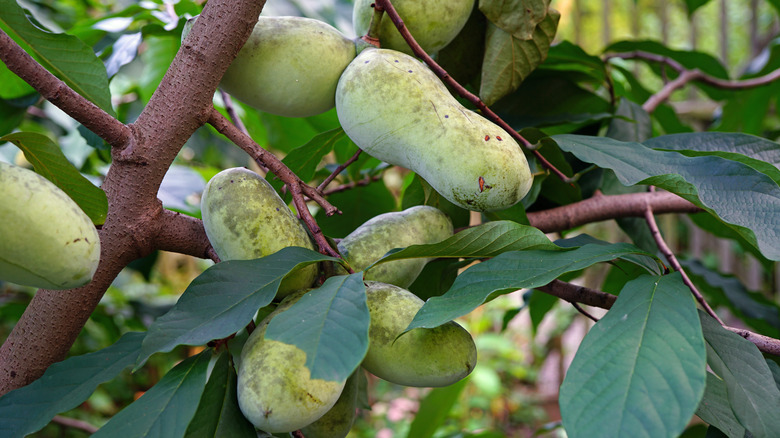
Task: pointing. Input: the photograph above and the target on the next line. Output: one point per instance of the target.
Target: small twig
(308, 219)
(348, 186)
(670, 257)
(230, 107)
(664, 93)
(584, 312)
(74, 423)
(764, 343)
(387, 6)
(338, 170)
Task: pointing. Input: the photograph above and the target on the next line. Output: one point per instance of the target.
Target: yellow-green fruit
(289, 66)
(338, 421)
(246, 219)
(275, 390)
(414, 226)
(46, 240)
(394, 108)
(432, 23)
(437, 356)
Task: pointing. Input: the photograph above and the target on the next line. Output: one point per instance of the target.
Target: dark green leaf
(631, 123)
(218, 414)
(10, 116)
(330, 324)
(434, 409)
(693, 5)
(462, 57)
(166, 409)
(508, 272)
(419, 192)
(751, 389)
(436, 277)
(640, 371)
(357, 205)
(63, 55)
(518, 18)
(49, 161)
(64, 386)
(738, 194)
(223, 299)
(303, 161)
(538, 305)
(715, 409)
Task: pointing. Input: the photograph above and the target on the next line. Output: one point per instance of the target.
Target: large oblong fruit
(246, 219)
(338, 421)
(46, 240)
(289, 66)
(275, 390)
(437, 356)
(414, 226)
(394, 108)
(432, 23)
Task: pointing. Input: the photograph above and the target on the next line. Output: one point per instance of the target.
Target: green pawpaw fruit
(246, 219)
(370, 241)
(289, 66)
(395, 109)
(46, 240)
(432, 23)
(275, 390)
(338, 421)
(437, 356)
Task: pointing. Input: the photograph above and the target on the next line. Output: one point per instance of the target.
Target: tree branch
(182, 234)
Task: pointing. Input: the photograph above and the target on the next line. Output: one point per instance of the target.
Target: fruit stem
(372, 35)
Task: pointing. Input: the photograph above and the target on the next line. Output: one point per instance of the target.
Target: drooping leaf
(49, 161)
(167, 408)
(330, 324)
(12, 112)
(223, 299)
(63, 55)
(538, 305)
(511, 271)
(357, 206)
(739, 195)
(462, 57)
(218, 414)
(640, 371)
(715, 409)
(518, 18)
(750, 386)
(434, 409)
(509, 60)
(64, 386)
(631, 123)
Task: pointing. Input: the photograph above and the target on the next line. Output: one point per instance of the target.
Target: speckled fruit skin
(423, 357)
(395, 109)
(414, 226)
(275, 390)
(289, 66)
(338, 421)
(246, 219)
(432, 23)
(46, 240)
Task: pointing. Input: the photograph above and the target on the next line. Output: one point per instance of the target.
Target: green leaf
(509, 60)
(434, 409)
(511, 271)
(330, 324)
(640, 371)
(64, 386)
(223, 299)
(218, 414)
(515, 17)
(63, 55)
(632, 123)
(49, 161)
(693, 5)
(436, 277)
(166, 409)
(746, 199)
(303, 161)
(12, 114)
(538, 305)
(357, 205)
(750, 386)
(715, 409)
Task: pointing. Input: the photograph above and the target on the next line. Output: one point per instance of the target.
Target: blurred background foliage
(523, 354)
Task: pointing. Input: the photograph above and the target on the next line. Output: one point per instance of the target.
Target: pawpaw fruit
(423, 357)
(46, 239)
(289, 66)
(417, 225)
(396, 109)
(432, 23)
(337, 422)
(246, 219)
(275, 390)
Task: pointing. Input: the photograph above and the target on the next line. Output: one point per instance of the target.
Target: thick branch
(183, 234)
(62, 96)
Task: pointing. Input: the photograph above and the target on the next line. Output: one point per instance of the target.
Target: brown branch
(670, 257)
(605, 207)
(338, 170)
(764, 343)
(387, 6)
(58, 93)
(584, 312)
(351, 185)
(74, 423)
(183, 234)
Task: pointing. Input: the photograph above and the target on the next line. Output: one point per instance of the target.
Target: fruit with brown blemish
(395, 109)
(246, 219)
(432, 23)
(417, 225)
(46, 240)
(289, 66)
(423, 357)
(337, 422)
(275, 390)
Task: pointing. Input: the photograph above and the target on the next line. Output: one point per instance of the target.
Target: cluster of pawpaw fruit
(245, 218)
